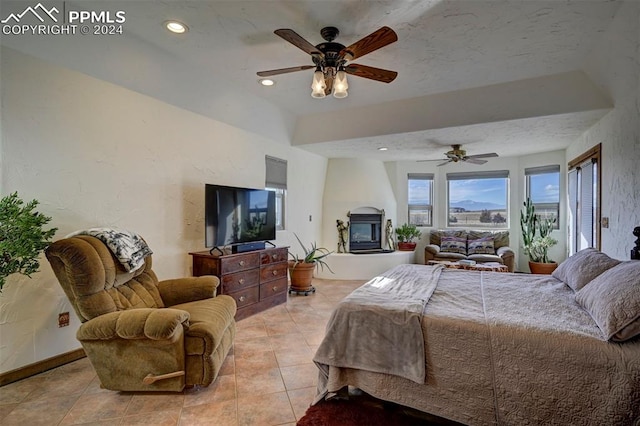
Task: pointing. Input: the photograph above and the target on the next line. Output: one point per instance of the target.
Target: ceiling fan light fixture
(318, 85)
(340, 85)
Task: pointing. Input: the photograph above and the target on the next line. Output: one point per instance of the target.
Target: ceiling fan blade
(284, 70)
(424, 161)
(446, 162)
(368, 44)
(297, 40)
(473, 160)
(371, 73)
(488, 155)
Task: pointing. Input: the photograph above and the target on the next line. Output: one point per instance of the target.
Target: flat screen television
(235, 216)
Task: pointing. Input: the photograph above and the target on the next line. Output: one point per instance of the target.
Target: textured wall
(615, 66)
(96, 154)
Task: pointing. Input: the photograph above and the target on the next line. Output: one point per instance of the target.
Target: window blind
(423, 176)
(555, 168)
(491, 174)
(276, 173)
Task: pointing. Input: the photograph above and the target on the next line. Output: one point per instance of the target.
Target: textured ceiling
(463, 68)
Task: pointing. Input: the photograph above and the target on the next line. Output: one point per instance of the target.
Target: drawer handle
(241, 281)
(275, 288)
(241, 263)
(242, 298)
(274, 256)
(274, 272)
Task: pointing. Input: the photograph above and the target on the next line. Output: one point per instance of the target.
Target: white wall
(96, 154)
(614, 65)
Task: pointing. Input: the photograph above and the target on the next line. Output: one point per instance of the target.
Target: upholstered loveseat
(141, 334)
(480, 246)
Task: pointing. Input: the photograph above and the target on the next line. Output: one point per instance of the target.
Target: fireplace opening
(365, 233)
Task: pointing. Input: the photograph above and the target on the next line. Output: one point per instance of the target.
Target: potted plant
(406, 234)
(22, 237)
(301, 268)
(536, 239)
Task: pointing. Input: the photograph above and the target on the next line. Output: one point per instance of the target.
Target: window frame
(575, 211)
(276, 180)
(542, 170)
(421, 207)
(488, 174)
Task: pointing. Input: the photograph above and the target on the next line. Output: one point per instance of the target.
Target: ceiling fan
(331, 58)
(459, 154)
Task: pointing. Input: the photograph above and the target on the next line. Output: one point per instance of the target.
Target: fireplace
(365, 232)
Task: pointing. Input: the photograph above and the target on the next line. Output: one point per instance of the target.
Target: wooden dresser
(257, 280)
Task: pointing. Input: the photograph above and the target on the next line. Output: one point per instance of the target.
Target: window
(276, 180)
(543, 187)
(584, 201)
(478, 199)
(420, 199)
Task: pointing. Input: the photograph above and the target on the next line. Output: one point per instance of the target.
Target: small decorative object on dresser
(406, 234)
(301, 268)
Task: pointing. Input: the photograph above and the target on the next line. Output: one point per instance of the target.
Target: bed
(488, 348)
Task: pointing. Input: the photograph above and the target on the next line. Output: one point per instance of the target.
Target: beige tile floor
(268, 378)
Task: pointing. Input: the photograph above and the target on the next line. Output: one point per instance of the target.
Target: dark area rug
(365, 410)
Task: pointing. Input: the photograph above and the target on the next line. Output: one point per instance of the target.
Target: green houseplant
(406, 234)
(536, 239)
(301, 267)
(22, 237)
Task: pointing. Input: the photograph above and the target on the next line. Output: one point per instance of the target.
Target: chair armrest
(430, 251)
(508, 257)
(183, 290)
(143, 323)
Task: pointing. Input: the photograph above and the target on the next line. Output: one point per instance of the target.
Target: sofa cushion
(481, 246)
(435, 236)
(453, 245)
(453, 257)
(500, 238)
(482, 258)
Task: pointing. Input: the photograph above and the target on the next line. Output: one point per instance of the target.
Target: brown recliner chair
(141, 334)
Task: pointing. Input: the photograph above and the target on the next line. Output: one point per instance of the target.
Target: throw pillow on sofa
(481, 246)
(453, 245)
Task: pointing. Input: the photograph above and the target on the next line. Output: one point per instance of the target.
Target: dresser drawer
(241, 262)
(205, 266)
(273, 287)
(240, 280)
(276, 255)
(273, 272)
(246, 297)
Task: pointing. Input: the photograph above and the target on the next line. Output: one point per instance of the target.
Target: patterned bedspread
(510, 349)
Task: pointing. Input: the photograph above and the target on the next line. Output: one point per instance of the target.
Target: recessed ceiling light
(383, 148)
(176, 27)
(266, 82)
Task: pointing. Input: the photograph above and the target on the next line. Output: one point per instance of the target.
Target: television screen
(238, 215)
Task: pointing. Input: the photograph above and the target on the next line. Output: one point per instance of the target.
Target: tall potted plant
(301, 267)
(536, 239)
(406, 234)
(22, 237)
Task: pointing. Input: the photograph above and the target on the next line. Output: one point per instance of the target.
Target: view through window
(420, 198)
(478, 199)
(276, 180)
(543, 187)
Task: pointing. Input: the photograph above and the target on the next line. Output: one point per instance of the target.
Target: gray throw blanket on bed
(129, 248)
(378, 327)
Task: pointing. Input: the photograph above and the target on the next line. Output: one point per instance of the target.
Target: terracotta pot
(406, 246)
(542, 268)
(301, 275)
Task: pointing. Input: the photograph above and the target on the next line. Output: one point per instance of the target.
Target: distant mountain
(474, 206)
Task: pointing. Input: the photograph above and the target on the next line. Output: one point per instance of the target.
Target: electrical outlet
(605, 222)
(63, 319)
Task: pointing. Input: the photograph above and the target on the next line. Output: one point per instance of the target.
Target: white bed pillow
(613, 301)
(583, 267)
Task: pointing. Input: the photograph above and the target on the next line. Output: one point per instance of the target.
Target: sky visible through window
(420, 191)
(493, 191)
(545, 188)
